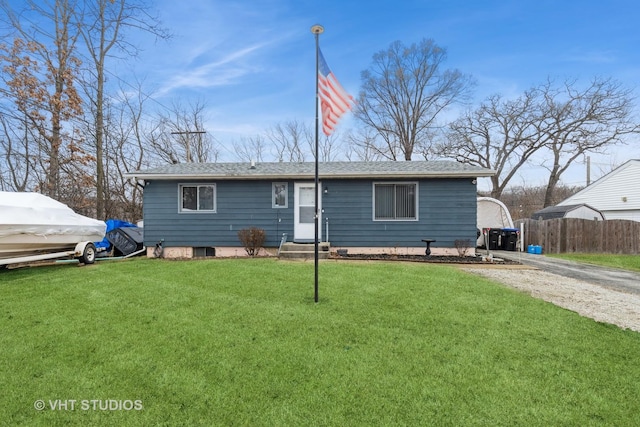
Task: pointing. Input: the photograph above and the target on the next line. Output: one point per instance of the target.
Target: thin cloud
(596, 57)
(225, 71)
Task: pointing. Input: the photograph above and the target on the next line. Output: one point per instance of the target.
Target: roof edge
(172, 177)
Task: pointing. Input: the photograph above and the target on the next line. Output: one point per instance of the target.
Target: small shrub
(462, 246)
(252, 239)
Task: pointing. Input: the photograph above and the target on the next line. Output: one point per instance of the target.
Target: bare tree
(361, 146)
(16, 163)
(575, 121)
(103, 25)
(501, 135)
(403, 93)
(180, 137)
(288, 141)
(328, 147)
(523, 200)
(126, 152)
(252, 148)
(41, 68)
(561, 123)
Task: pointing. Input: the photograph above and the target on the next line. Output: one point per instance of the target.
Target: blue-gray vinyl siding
(239, 204)
(446, 212)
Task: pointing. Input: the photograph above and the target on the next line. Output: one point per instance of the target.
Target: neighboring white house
(616, 195)
(582, 211)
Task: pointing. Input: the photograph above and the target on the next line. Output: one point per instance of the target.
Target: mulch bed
(423, 258)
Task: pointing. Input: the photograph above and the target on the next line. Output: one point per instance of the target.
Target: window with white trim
(197, 198)
(395, 201)
(279, 194)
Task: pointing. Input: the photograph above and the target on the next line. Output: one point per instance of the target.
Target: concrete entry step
(304, 250)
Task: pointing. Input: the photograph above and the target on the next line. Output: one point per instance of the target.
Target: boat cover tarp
(112, 224)
(37, 214)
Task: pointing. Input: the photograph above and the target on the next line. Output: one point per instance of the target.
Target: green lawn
(626, 262)
(241, 342)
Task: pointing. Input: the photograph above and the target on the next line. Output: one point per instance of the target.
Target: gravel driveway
(597, 301)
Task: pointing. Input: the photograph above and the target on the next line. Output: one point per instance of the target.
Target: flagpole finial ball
(317, 29)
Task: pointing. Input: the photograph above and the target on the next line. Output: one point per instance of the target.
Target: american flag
(334, 100)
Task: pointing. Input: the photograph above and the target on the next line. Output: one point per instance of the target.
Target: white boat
(35, 226)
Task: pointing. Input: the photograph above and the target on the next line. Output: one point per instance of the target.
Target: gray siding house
(364, 205)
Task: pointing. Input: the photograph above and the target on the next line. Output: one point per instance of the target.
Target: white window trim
(198, 211)
(373, 201)
(273, 195)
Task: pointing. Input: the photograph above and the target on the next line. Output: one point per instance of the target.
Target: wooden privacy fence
(581, 235)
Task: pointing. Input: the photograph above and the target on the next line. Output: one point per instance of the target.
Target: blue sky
(252, 61)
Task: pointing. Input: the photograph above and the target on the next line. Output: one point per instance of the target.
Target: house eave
(273, 177)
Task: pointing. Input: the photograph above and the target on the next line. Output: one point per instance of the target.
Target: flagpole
(316, 30)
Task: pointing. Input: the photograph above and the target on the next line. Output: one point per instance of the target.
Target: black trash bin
(493, 237)
(509, 239)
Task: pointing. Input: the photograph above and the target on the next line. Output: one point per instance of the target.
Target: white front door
(304, 213)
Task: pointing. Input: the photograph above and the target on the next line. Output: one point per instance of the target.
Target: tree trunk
(496, 188)
(100, 180)
(55, 142)
(554, 178)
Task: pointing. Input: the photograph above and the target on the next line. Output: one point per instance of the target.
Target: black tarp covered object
(126, 240)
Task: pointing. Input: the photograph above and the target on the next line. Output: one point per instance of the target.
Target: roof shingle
(306, 170)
